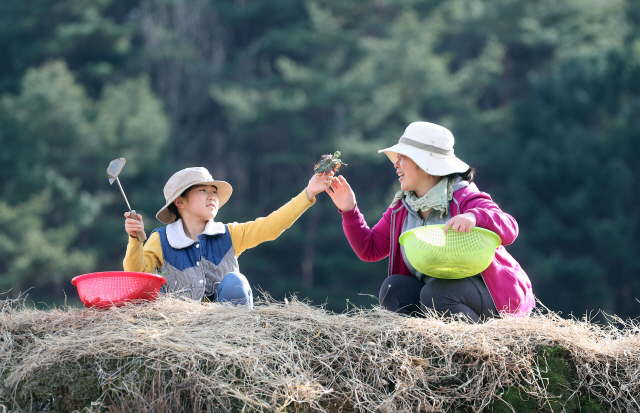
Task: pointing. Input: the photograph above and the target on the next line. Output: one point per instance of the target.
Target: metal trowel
(113, 171)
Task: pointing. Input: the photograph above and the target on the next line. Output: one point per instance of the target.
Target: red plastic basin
(116, 288)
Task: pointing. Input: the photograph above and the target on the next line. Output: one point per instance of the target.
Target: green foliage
(347, 84)
(51, 132)
(540, 95)
(34, 254)
(129, 122)
(576, 132)
(94, 37)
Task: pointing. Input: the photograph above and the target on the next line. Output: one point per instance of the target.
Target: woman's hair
(466, 176)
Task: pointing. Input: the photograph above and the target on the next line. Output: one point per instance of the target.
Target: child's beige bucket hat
(430, 146)
(182, 180)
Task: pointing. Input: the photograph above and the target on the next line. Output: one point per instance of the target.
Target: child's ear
(179, 202)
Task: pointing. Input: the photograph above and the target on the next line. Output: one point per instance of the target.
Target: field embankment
(177, 356)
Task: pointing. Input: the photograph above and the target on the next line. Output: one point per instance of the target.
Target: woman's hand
(319, 183)
(461, 223)
(132, 226)
(342, 194)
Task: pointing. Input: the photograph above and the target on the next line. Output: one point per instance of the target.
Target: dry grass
(173, 355)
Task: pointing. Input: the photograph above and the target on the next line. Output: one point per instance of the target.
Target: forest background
(543, 97)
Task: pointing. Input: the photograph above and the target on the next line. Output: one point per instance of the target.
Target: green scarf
(438, 198)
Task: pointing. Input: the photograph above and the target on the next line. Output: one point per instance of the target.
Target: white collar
(178, 239)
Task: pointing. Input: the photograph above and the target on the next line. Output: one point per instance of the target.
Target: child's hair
(466, 176)
(172, 206)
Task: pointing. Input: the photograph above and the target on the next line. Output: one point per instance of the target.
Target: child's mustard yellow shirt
(149, 257)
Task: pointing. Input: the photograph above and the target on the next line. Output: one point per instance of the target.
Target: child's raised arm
(249, 234)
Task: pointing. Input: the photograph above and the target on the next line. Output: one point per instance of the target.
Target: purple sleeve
(490, 216)
(368, 244)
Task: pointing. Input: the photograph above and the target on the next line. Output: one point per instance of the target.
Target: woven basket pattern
(455, 255)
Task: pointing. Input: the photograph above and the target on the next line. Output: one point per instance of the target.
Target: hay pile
(178, 356)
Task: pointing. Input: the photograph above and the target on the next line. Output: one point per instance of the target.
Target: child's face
(201, 203)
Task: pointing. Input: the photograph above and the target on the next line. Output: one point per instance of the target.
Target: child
(197, 255)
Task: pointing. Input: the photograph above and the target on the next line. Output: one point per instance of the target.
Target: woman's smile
(412, 178)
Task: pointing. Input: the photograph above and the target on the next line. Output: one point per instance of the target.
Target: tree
(32, 254)
(335, 83)
(58, 140)
(95, 38)
(578, 135)
(257, 91)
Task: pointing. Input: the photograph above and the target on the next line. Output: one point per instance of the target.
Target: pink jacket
(508, 284)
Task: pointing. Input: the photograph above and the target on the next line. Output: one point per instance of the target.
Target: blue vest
(196, 270)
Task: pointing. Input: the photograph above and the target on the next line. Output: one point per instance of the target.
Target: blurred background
(543, 97)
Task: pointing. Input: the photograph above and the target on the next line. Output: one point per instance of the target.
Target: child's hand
(461, 223)
(342, 194)
(319, 183)
(132, 226)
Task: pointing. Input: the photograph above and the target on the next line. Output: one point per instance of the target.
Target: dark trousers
(408, 295)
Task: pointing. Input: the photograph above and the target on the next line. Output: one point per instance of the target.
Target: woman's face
(413, 178)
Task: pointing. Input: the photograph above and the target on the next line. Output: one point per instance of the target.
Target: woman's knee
(451, 297)
(400, 293)
(234, 288)
(385, 288)
(440, 294)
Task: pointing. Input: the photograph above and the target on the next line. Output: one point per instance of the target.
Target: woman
(436, 188)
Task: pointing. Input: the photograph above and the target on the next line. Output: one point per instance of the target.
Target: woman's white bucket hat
(430, 146)
(184, 179)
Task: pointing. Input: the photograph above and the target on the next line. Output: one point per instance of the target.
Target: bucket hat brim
(430, 146)
(432, 163)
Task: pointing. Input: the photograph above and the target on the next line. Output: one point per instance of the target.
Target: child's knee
(235, 288)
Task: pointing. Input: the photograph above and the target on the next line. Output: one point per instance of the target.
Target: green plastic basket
(455, 255)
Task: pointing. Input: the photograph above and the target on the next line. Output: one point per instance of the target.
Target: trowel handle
(141, 235)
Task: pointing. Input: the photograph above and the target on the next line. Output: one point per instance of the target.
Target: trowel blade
(114, 169)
